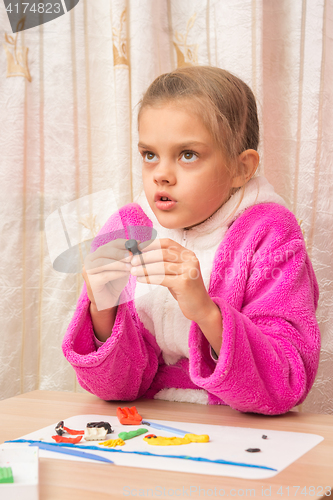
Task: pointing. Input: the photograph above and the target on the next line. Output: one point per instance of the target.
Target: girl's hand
(169, 264)
(106, 273)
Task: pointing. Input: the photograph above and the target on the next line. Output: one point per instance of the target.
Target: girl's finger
(156, 268)
(103, 266)
(164, 280)
(113, 249)
(103, 278)
(157, 244)
(158, 255)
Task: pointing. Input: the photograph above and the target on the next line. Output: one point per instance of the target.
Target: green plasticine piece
(131, 434)
(6, 475)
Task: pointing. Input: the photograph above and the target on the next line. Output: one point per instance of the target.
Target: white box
(24, 463)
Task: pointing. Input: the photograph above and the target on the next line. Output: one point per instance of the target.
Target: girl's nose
(165, 171)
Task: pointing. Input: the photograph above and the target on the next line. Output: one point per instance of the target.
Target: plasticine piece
(72, 432)
(168, 441)
(198, 438)
(253, 450)
(6, 475)
(161, 427)
(147, 453)
(131, 434)
(105, 425)
(264, 437)
(132, 246)
(62, 439)
(60, 428)
(112, 443)
(128, 416)
(165, 441)
(95, 433)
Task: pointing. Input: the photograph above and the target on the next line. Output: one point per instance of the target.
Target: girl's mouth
(165, 205)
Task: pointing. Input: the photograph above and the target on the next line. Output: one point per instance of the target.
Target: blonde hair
(225, 103)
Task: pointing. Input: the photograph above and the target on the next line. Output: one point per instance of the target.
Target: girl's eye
(149, 157)
(189, 156)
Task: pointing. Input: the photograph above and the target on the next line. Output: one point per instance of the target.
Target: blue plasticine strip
(165, 428)
(76, 453)
(113, 450)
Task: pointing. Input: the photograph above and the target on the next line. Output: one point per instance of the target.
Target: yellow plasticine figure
(168, 441)
(112, 443)
(198, 438)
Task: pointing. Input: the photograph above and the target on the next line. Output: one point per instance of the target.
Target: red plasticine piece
(62, 439)
(71, 431)
(128, 416)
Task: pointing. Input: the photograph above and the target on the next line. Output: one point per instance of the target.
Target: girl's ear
(248, 162)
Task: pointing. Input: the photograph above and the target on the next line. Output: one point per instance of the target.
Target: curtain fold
(69, 94)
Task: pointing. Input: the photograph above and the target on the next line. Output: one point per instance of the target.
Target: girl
(231, 315)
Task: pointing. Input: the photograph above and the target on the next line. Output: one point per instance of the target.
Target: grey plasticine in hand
(132, 246)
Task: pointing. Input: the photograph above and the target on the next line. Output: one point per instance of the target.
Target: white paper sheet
(278, 451)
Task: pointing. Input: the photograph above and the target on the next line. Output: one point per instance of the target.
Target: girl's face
(181, 158)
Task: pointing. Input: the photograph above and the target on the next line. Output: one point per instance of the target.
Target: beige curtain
(68, 102)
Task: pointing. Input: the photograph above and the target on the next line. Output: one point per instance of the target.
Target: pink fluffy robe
(264, 285)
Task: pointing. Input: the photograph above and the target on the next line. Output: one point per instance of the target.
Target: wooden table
(67, 480)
